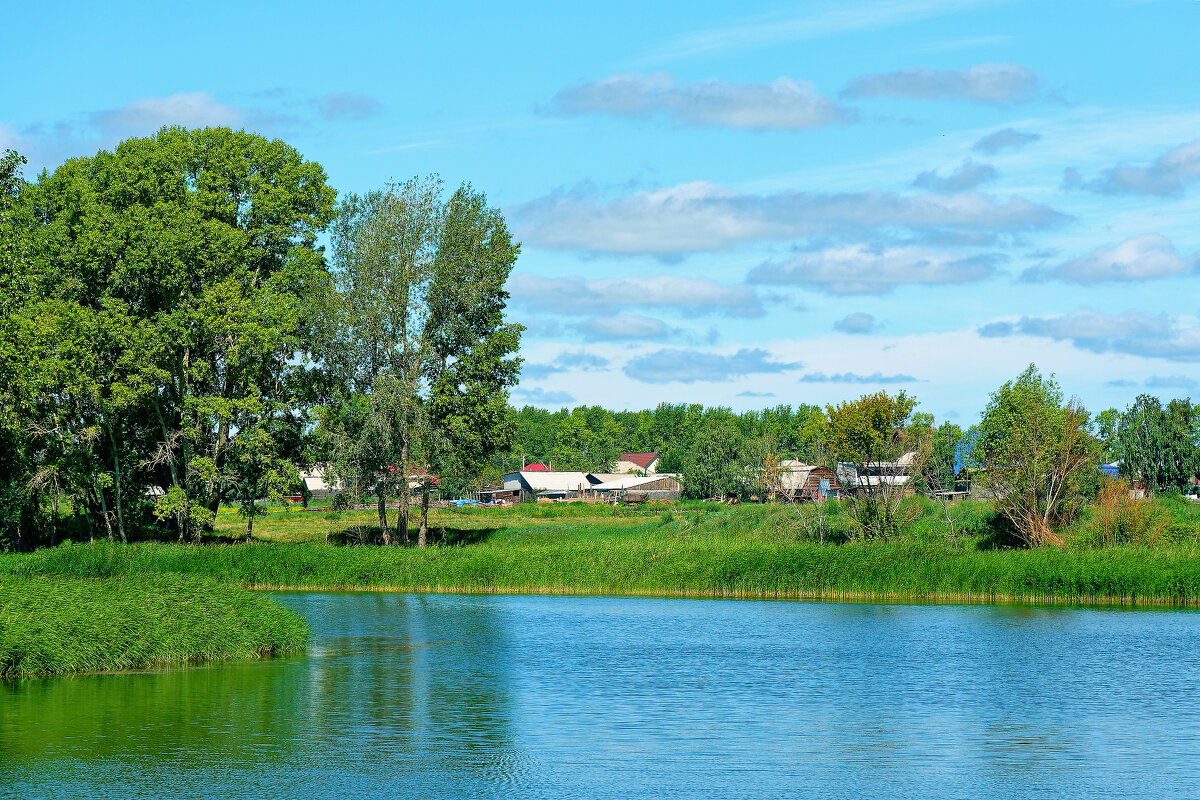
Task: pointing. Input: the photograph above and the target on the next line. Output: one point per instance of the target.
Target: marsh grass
(52, 624)
(704, 551)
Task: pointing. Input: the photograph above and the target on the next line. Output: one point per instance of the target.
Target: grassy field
(55, 624)
(690, 550)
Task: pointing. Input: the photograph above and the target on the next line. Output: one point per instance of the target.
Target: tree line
(173, 338)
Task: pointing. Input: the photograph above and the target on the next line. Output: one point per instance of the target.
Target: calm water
(449, 696)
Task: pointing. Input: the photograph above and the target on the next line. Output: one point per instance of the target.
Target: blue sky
(768, 203)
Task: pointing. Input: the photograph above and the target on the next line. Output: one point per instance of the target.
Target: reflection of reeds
(706, 551)
(54, 624)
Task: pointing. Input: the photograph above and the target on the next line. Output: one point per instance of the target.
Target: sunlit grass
(54, 624)
(691, 550)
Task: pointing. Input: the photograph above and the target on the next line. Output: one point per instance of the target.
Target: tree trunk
(402, 513)
(383, 525)
(423, 531)
(104, 513)
(250, 526)
(117, 485)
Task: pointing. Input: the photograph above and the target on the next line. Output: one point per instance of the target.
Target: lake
(431, 696)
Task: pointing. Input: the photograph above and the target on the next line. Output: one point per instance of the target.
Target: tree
(712, 467)
(1156, 445)
(1039, 460)
(201, 245)
(420, 333)
(870, 435)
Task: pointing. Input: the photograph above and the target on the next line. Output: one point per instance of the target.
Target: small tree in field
(870, 436)
(1038, 457)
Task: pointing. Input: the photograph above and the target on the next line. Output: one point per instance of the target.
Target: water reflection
(451, 696)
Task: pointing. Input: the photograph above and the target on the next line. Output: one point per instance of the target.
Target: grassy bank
(52, 624)
(694, 551)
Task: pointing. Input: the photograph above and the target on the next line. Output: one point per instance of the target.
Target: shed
(800, 481)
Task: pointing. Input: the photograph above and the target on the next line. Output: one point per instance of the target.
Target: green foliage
(53, 624)
(1156, 445)
(1040, 461)
(712, 467)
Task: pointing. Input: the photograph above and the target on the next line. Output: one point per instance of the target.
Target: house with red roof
(645, 463)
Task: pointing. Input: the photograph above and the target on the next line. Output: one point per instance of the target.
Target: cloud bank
(1138, 259)
(993, 84)
(861, 269)
(672, 365)
(701, 216)
(783, 105)
(1131, 333)
(688, 296)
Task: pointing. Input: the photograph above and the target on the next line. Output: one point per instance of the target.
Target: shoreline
(893, 598)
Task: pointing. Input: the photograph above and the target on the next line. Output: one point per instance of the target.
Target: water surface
(430, 696)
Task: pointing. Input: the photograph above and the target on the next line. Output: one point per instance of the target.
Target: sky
(732, 204)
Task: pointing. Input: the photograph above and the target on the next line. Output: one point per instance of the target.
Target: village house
(640, 463)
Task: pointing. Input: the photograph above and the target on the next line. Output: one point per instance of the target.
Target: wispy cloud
(624, 328)
(1006, 139)
(1132, 333)
(833, 19)
(966, 177)
(688, 296)
(1171, 382)
(700, 216)
(993, 84)
(1138, 259)
(1166, 176)
(853, 377)
(861, 269)
(784, 105)
(346, 106)
(565, 362)
(673, 365)
(541, 397)
(857, 322)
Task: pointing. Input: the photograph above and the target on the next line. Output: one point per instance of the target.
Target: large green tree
(193, 252)
(1158, 445)
(420, 335)
(1038, 458)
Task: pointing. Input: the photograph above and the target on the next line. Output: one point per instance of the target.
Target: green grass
(52, 624)
(688, 550)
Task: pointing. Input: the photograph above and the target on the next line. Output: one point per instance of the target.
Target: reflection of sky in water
(451, 696)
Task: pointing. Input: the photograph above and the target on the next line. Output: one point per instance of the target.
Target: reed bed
(56, 623)
(724, 553)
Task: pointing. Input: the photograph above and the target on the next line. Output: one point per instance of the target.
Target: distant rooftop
(643, 460)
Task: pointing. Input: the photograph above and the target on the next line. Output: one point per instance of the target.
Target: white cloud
(821, 23)
(700, 216)
(1166, 176)
(1005, 139)
(564, 362)
(860, 269)
(689, 296)
(1137, 259)
(857, 322)
(541, 397)
(854, 377)
(624, 327)
(673, 365)
(350, 106)
(994, 84)
(147, 115)
(966, 177)
(784, 105)
(1132, 333)
(1171, 382)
